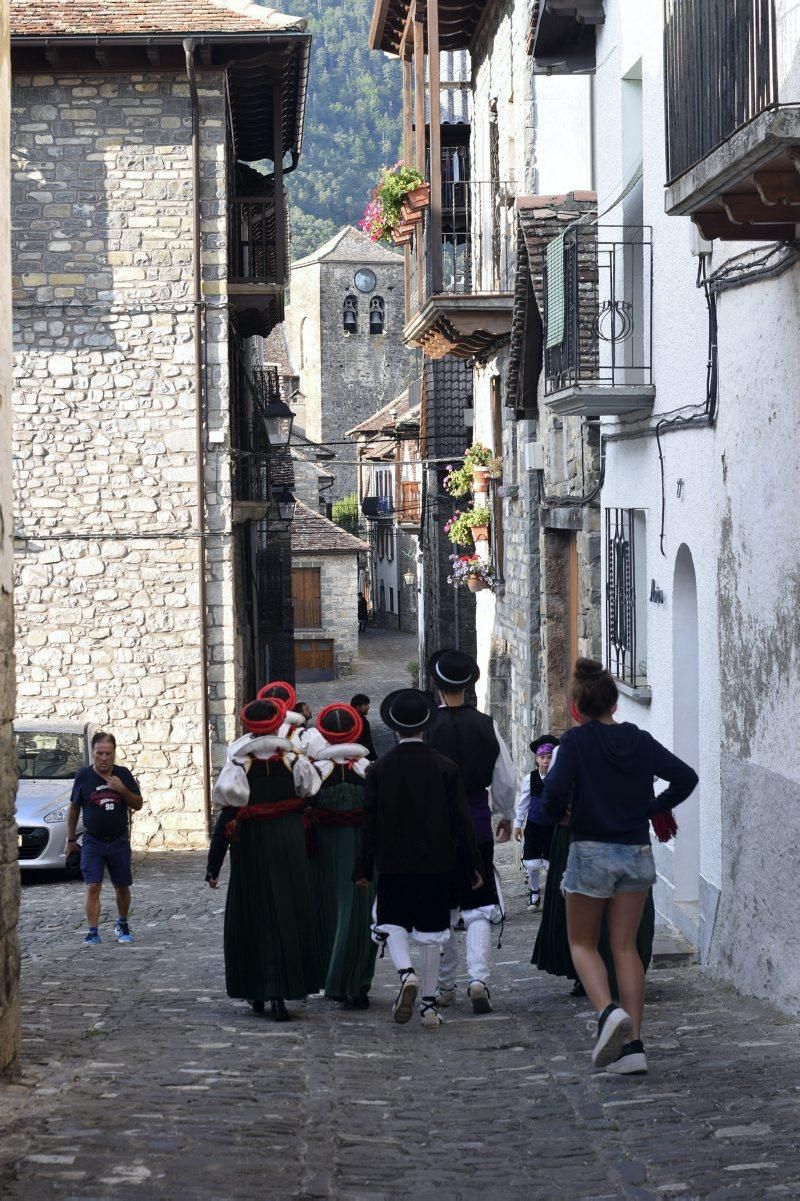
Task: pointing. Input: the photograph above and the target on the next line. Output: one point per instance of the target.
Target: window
(350, 314)
(626, 596)
(391, 600)
(377, 315)
(307, 598)
(383, 596)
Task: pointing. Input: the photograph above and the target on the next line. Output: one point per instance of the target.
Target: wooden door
(307, 598)
(313, 659)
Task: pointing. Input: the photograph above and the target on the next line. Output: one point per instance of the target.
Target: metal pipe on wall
(199, 395)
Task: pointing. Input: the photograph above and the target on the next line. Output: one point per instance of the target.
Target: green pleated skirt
(272, 946)
(551, 950)
(344, 912)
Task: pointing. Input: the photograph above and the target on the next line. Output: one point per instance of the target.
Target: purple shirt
(481, 814)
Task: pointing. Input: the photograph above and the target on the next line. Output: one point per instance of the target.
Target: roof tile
(314, 534)
(106, 17)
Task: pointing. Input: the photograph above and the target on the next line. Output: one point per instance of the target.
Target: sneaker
(404, 1005)
(534, 900)
(446, 997)
(429, 1015)
(613, 1029)
(632, 1060)
(478, 993)
(122, 931)
(92, 938)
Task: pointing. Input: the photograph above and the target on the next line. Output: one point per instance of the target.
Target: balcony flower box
(418, 198)
(468, 571)
(384, 212)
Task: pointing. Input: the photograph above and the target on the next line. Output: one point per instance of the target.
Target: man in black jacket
(361, 703)
(416, 824)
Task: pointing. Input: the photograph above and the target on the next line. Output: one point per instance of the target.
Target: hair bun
(588, 669)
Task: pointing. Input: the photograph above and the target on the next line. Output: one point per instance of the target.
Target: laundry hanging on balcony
(555, 292)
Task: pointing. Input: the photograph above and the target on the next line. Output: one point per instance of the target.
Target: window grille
(621, 615)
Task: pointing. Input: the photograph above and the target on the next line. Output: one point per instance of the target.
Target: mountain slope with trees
(353, 121)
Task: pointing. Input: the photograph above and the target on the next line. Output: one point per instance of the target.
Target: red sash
(313, 817)
(264, 811)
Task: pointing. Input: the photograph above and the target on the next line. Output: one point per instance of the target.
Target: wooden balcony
(597, 285)
(258, 260)
(733, 118)
(461, 279)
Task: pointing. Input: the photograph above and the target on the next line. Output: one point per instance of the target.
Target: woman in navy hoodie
(605, 769)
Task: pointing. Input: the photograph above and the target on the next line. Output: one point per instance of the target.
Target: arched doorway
(686, 723)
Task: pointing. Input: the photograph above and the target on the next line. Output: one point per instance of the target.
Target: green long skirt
(551, 950)
(272, 946)
(344, 911)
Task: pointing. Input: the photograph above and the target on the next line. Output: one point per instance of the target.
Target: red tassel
(665, 826)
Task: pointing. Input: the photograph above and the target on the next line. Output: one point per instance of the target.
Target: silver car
(49, 753)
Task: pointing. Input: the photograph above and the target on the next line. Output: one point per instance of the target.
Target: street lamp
(408, 578)
(278, 418)
(284, 502)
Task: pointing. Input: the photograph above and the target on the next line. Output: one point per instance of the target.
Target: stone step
(670, 947)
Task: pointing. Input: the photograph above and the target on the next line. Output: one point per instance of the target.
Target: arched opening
(377, 315)
(350, 314)
(686, 723)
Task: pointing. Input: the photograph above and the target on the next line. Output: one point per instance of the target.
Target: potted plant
(383, 214)
(467, 571)
(477, 458)
(468, 527)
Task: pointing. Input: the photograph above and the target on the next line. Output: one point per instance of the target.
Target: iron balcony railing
(476, 250)
(258, 240)
(722, 69)
(252, 389)
(598, 307)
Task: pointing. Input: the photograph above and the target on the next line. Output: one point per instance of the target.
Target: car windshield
(48, 754)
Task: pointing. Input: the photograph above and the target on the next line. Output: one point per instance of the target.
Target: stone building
(148, 267)
(9, 872)
(326, 563)
(344, 329)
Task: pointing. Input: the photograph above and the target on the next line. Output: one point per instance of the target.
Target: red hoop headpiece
(279, 690)
(339, 723)
(263, 716)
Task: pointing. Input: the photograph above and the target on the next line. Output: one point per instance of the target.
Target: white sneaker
(534, 900)
(632, 1061)
(404, 1005)
(429, 1015)
(446, 997)
(478, 993)
(613, 1031)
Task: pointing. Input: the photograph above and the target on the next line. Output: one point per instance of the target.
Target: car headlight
(58, 815)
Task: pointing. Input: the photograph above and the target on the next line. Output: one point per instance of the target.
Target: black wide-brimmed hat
(408, 711)
(545, 740)
(340, 723)
(453, 669)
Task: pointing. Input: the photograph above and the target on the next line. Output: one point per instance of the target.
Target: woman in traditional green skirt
(344, 911)
(551, 950)
(272, 945)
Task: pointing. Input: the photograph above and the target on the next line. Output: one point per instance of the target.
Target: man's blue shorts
(96, 855)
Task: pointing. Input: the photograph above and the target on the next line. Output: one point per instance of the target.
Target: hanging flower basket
(476, 584)
(480, 480)
(480, 533)
(470, 572)
(462, 527)
(460, 480)
(383, 213)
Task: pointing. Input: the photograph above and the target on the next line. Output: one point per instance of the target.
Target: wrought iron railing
(252, 389)
(598, 308)
(621, 596)
(721, 67)
(255, 254)
(475, 252)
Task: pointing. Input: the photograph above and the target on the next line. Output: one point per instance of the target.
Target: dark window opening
(377, 315)
(350, 314)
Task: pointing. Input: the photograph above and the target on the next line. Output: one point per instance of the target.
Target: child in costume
(534, 834)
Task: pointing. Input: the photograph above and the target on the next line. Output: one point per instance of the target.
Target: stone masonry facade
(108, 624)
(9, 871)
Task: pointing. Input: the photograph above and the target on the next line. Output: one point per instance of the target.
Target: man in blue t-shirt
(105, 794)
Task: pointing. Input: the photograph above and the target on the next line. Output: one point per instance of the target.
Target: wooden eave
(462, 326)
(748, 188)
(458, 20)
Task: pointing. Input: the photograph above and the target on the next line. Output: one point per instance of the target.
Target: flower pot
(480, 533)
(401, 236)
(410, 216)
(418, 198)
(476, 584)
(480, 479)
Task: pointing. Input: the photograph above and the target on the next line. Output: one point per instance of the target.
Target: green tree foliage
(353, 120)
(344, 513)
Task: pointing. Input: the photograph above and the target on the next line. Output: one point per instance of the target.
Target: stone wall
(339, 597)
(107, 555)
(449, 613)
(9, 871)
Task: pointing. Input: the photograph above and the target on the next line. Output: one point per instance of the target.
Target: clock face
(365, 279)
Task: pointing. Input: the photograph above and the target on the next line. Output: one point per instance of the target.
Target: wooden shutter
(307, 598)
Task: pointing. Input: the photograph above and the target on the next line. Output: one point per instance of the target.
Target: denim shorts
(97, 855)
(599, 869)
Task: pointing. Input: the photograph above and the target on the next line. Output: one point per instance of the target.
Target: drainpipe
(197, 273)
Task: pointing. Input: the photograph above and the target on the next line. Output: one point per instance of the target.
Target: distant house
(325, 575)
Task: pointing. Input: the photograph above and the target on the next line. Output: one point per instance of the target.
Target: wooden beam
(747, 208)
(154, 56)
(434, 102)
(280, 199)
(778, 187)
(718, 225)
(419, 131)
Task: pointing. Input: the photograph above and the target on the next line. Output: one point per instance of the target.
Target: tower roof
(350, 245)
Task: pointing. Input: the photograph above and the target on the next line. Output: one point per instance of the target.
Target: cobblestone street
(143, 1080)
